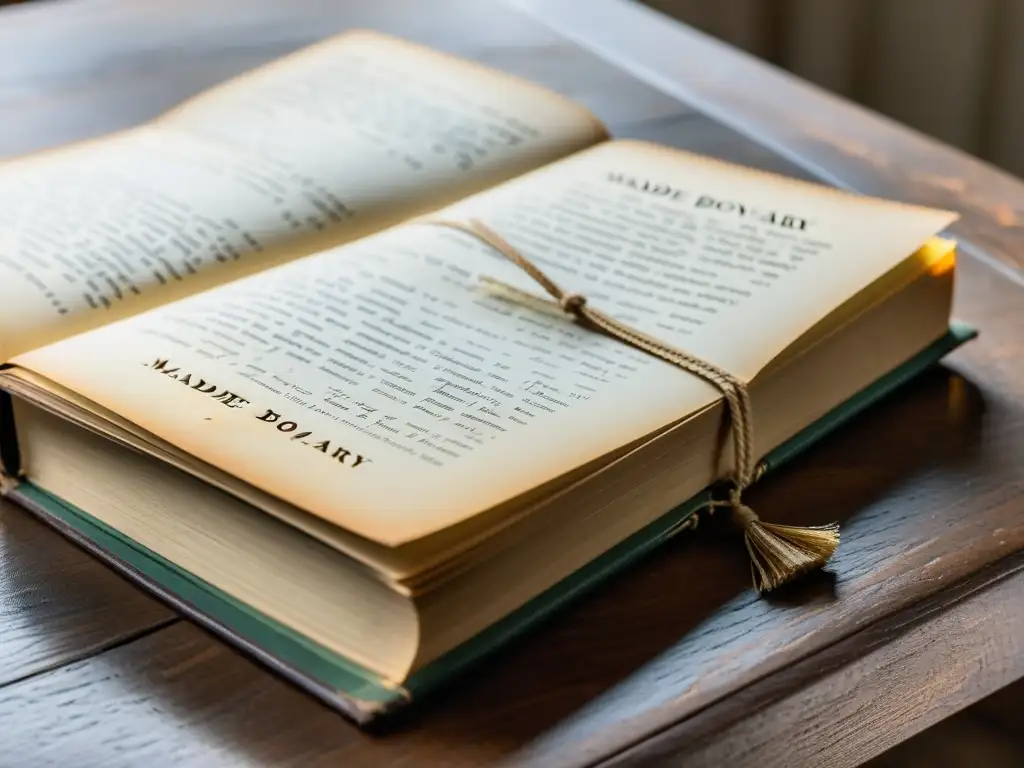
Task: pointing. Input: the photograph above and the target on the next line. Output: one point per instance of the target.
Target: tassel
(781, 553)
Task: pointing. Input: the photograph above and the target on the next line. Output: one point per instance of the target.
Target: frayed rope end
(781, 553)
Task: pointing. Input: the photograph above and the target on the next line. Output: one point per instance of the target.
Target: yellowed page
(327, 145)
(378, 386)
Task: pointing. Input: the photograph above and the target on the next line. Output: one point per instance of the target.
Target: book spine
(10, 454)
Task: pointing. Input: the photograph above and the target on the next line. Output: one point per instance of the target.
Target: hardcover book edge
(343, 685)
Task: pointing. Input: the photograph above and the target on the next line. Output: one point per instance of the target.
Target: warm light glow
(939, 255)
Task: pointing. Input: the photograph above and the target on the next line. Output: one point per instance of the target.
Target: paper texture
(327, 145)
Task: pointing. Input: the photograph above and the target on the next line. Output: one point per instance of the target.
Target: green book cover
(356, 691)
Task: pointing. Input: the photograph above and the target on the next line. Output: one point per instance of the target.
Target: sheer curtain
(950, 68)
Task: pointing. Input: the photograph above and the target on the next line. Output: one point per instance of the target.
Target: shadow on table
(688, 609)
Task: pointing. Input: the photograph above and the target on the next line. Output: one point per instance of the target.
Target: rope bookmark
(778, 553)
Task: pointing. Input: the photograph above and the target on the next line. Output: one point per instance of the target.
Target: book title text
(281, 425)
(711, 203)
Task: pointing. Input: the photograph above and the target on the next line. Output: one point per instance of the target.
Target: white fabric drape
(950, 68)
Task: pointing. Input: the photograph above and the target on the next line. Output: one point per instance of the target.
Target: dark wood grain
(57, 604)
(173, 698)
(938, 659)
(676, 658)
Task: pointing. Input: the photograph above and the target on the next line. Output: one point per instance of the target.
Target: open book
(243, 367)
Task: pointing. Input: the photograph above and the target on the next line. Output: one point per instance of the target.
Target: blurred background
(950, 68)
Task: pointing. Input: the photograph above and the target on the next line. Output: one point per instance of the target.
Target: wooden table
(676, 661)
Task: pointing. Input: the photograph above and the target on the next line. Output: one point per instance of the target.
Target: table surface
(675, 661)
